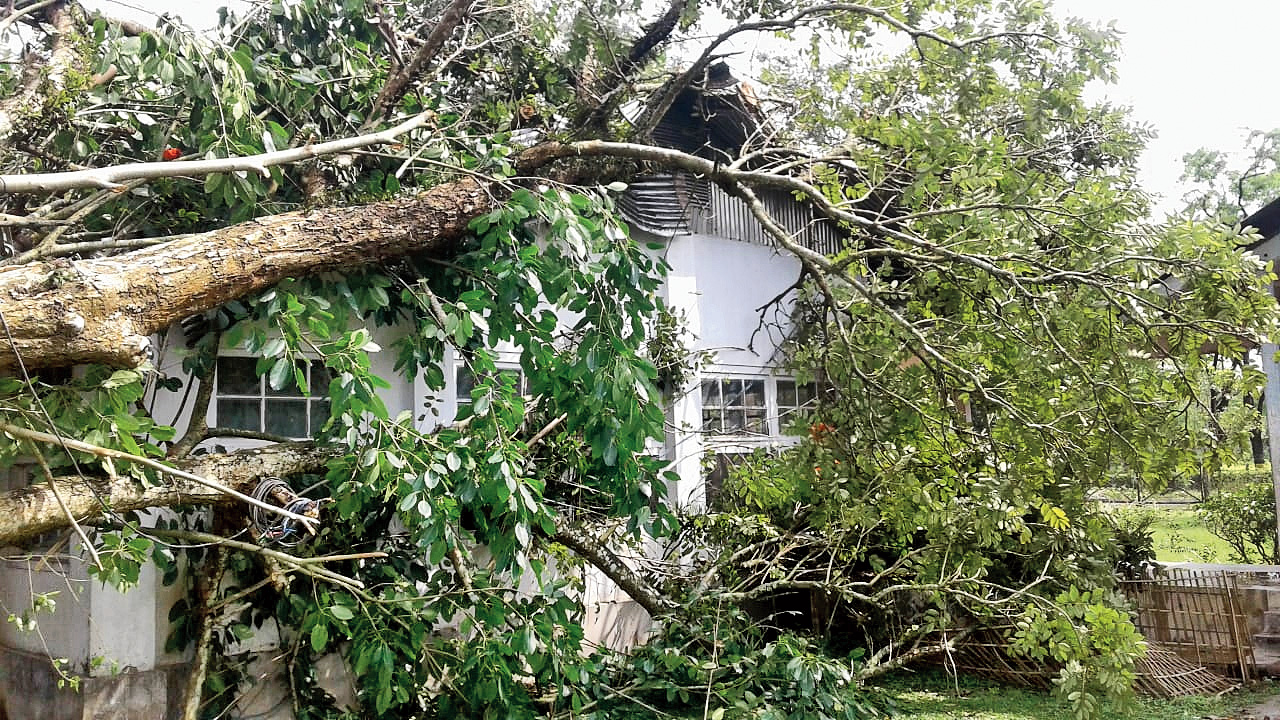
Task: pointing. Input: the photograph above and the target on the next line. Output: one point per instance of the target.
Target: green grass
(1179, 535)
(935, 696)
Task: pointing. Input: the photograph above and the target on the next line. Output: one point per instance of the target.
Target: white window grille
(246, 401)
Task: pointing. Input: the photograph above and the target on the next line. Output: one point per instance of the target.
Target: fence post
(1269, 350)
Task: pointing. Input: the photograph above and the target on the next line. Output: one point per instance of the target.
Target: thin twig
(111, 177)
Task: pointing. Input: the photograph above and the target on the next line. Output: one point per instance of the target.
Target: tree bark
(604, 559)
(32, 510)
(104, 310)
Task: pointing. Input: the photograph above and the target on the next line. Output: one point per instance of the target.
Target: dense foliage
(1001, 330)
(1245, 516)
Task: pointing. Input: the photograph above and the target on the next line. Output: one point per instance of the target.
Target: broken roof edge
(1266, 221)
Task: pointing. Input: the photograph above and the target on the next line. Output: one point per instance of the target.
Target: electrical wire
(272, 528)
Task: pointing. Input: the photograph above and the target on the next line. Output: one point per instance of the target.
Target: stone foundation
(29, 690)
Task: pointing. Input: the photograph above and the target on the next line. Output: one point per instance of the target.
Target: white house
(727, 280)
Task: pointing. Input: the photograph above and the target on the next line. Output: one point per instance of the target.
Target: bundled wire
(272, 528)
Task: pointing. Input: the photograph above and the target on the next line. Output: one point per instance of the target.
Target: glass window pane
(239, 413)
(237, 376)
(711, 421)
(755, 421)
(290, 388)
(319, 380)
(735, 421)
(806, 393)
(319, 416)
(466, 383)
(732, 390)
(753, 393)
(786, 393)
(287, 418)
(710, 393)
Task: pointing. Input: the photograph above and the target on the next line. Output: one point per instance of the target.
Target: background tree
(1228, 187)
(998, 332)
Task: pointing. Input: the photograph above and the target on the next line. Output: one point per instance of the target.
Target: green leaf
(281, 370)
(319, 637)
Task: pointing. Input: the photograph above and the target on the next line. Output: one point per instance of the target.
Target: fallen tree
(996, 330)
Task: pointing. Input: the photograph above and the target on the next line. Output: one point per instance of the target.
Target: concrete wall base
(29, 689)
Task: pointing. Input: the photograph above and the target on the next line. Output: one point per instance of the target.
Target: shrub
(1135, 542)
(1246, 519)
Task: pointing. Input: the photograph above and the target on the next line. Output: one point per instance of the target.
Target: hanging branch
(399, 84)
(112, 177)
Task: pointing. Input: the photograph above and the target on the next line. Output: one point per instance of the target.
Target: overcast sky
(1199, 73)
(1195, 71)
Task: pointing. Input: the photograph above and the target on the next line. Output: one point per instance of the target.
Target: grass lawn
(934, 696)
(1180, 537)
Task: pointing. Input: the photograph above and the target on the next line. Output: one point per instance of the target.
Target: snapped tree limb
(104, 310)
(30, 511)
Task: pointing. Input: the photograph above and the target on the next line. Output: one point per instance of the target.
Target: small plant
(1090, 636)
(1135, 543)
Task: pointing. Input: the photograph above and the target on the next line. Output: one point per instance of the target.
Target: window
(794, 400)
(764, 406)
(247, 402)
(733, 406)
(466, 382)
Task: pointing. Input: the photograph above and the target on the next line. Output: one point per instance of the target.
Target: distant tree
(1227, 189)
(996, 332)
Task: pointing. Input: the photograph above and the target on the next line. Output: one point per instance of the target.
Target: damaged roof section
(718, 119)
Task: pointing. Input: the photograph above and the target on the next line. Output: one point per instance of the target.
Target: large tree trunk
(104, 310)
(30, 511)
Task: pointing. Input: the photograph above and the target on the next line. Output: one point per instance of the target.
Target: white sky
(1197, 72)
(1194, 71)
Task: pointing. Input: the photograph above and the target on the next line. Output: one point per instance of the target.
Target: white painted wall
(720, 287)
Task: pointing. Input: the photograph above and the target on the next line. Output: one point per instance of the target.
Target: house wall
(719, 286)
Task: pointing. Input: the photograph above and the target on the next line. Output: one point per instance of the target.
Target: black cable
(272, 528)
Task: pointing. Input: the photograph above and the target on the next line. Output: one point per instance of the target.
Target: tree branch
(30, 511)
(44, 83)
(608, 563)
(111, 177)
(594, 116)
(71, 444)
(104, 310)
(398, 84)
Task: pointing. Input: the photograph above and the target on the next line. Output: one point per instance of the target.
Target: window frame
(782, 414)
(776, 415)
(755, 417)
(314, 400)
